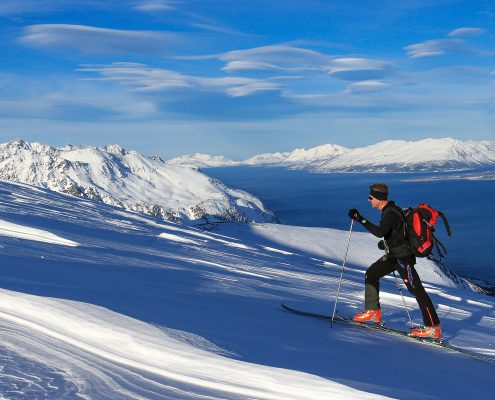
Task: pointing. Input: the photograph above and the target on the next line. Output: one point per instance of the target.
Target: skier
(397, 258)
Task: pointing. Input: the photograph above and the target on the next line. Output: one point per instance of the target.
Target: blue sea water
(323, 200)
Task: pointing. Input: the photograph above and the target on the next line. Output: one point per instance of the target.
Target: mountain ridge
(129, 180)
(446, 154)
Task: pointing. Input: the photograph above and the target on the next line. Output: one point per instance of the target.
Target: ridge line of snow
(131, 181)
(386, 156)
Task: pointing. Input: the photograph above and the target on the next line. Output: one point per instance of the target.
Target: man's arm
(386, 224)
(376, 230)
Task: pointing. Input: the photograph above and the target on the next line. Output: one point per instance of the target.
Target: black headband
(378, 195)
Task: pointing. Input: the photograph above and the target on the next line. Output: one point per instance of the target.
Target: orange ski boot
(429, 332)
(369, 316)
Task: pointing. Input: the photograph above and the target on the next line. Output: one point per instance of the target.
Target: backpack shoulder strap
(397, 210)
(402, 227)
(441, 250)
(444, 219)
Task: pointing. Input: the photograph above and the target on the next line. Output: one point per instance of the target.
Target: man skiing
(397, 258)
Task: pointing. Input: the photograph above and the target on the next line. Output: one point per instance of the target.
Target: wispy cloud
(274, 57)
(366, 86)
(94, 40)
(277, 58)
(71, 101)
(216, 28)
(358, 69)
(240, 66)
(305, 64)
(467, 32)
(431, 48)
(153, 6)
(145, 79)
(450, 44)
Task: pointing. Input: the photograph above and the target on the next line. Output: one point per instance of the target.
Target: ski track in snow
(140, 309)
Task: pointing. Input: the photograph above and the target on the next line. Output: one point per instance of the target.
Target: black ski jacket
(391, 229)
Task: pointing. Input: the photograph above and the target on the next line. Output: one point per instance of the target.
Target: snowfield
(100, 303)
(426, 155)
(129, 180)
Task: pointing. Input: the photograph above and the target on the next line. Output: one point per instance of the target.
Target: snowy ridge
(199, 160)
(129, 180)
(145, 309)
(389, 156)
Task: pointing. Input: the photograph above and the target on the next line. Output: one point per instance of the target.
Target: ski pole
(342, 272)
(403, 300)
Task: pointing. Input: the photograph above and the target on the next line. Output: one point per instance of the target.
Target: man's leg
(413, 282)
(377, 270)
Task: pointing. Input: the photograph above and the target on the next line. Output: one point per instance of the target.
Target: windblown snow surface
(100, 303)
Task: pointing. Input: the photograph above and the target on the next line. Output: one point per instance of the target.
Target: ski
(390, 331)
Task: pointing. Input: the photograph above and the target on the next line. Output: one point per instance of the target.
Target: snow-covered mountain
(129, 180)
(199, 160)
(389, 156)
(99, 303)
(424, 155)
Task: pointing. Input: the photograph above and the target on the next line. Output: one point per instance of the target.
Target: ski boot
(428, 332)
(369, 316)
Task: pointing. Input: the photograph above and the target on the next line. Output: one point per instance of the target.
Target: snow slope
(129, 180)
(389, 156)
(100, 303)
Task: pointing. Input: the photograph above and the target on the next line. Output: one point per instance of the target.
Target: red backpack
(420, 230)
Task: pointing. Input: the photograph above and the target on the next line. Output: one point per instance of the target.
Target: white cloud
(156, 6)
(297, 60)
(94, 40)
(73, 101)
(366, 86)
(450, 44)
(466, 32)
(358, 69)
(438, 47)
(217, 28)
(238, 66)
(274, 57)
(154, 80)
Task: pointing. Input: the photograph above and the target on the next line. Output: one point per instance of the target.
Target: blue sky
(239, 78)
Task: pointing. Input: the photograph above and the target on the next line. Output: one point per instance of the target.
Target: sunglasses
(370, 198)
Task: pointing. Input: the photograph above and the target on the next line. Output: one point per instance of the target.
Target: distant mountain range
(129, 180)
(389, 156)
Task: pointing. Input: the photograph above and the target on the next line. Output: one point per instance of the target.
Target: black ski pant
(405, 267)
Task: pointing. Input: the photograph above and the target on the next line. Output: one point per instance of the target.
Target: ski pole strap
(447, 226)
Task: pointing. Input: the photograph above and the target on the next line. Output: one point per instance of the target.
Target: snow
(25, 232)
(129, 180)
(391, 155)
(144, 309)
(100, 336)
(199, 160)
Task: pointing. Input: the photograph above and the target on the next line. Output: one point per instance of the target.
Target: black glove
(354, 214)
(381, 245)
